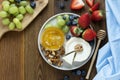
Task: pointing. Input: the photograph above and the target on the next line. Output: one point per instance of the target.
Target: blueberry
(64, 17)
(74, 23)
(74, 72)
(91, 42)
(68, 37)
(78, 72)
(75, 17)
(71, 17)
(66, 78)
(81, 78)
(33, 4)
(62, 5)
(83, 73)
(69, 23)
(18, 1)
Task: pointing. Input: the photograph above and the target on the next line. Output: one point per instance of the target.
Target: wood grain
(11, 57)
(34, 64)
(19, 55)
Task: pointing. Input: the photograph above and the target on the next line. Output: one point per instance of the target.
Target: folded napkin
(108, 60)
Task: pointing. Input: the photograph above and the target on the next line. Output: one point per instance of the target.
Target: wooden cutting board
(40, 5)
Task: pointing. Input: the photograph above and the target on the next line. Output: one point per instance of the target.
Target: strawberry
(90, 3)
(77, 4)
(84, 20)
(94, 7)
(89, 34)
(97, 15)
(75, 31)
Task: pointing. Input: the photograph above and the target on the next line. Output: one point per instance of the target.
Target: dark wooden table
(19, 55)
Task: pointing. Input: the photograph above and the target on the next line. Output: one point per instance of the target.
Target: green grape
(22, 10)
(65, 29)
(12, 5)
(11, 26)
(3, 14)
(5, 21)
(48, 25)
(16, 14)
(76, 20)
(59, 17)
(6, 7)
(17, 23)
(13, 10)
(19, 16)
(15, 20)
(11, 0)
(29, 9)
(60, 23)
(5, 2)
(23, 3)
(67, 17)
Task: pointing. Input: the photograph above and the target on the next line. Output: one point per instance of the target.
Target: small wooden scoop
(40, 5)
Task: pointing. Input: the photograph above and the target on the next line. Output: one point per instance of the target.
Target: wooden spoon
(40, 5)
(100, 35)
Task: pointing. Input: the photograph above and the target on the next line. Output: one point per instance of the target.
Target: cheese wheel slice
(80, 56)
(69, 58)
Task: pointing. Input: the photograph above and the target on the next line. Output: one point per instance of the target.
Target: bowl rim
(40, 51)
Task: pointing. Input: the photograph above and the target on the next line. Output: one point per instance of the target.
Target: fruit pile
(96, 14)
(77, 26)
(13, 12)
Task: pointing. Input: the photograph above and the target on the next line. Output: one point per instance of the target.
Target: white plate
(65, 65)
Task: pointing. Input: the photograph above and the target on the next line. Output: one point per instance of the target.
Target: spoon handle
(74, 56)
(93, 59)
(69, 53)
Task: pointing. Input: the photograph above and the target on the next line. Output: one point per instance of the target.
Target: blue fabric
(108, 60)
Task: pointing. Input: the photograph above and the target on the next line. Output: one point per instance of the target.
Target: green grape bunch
(13, 12)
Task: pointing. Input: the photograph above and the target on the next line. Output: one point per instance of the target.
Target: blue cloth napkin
(108, 60)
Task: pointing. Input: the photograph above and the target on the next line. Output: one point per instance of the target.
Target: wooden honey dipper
(101, 34)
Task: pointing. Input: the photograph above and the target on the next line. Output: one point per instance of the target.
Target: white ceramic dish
(65, 65)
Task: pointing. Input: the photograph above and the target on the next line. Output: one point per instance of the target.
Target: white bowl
(65, 66)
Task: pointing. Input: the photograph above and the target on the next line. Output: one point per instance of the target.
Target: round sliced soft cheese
(80, 56)
(69, 58)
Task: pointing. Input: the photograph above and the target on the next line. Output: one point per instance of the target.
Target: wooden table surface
(19, 55)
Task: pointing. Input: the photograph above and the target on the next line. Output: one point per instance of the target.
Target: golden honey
(52, 38)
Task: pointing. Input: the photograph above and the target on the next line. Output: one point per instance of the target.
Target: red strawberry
(84, 20)
(77, 4)
(90, 3)
(75, 31)
(89, 34)
(94, 7)
(97, 15)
